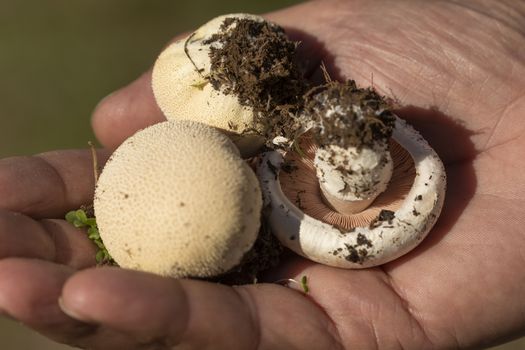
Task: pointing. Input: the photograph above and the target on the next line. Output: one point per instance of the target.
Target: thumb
(121, 114)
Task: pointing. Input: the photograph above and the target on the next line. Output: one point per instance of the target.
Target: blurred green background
(58, 58)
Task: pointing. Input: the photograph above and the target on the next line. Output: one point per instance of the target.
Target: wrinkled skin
(460, 68)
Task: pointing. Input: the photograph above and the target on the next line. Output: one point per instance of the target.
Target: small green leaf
(99, 244)
(81, 215)
(94, 235)
(79, 219)
(91, 222)
(71, 216)
(304, 284)
(100, 256)
(78, 224)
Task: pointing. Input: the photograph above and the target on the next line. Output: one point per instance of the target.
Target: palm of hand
(461, 287)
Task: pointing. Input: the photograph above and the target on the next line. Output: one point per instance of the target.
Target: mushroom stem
(352, 128)
(350, 179)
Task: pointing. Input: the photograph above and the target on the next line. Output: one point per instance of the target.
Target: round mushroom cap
(396, 222)
(177, 200)
(183, 93)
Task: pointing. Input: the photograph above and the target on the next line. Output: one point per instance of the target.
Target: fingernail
(68, 312)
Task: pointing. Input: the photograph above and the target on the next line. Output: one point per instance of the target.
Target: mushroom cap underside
(393, 225)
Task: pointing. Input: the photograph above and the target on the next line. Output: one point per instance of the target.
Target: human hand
(460, 70)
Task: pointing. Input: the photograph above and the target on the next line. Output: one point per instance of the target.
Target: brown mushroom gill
(300, 185)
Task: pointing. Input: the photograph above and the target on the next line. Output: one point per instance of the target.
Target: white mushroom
(391, 219)
(184, 87)
(176, 199)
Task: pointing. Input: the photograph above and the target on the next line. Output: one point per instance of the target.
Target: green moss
(80, 219)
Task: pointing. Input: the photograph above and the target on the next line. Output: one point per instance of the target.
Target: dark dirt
(264, 255)
(345, 115)
(384, 215)
(255, 61)
(355, 254)
(89, 209)
(363, 240)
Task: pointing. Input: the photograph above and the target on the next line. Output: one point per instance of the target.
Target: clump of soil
(264, 255)
(384, 215)
(255, 61)
(344, 115)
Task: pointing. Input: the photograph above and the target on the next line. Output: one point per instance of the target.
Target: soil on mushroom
(255, 61)
(264, 255)
(345, 115)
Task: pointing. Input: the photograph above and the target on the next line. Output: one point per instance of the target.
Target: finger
(22, 236)
(51, 240)
(48, 185)
(165, 312)
(126, 111)
(30, 291)
(72, 247)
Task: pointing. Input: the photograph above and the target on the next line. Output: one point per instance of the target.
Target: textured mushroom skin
(182, 92)
(177, 200)
(363, 247)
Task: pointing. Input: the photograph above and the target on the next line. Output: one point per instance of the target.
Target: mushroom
(176, 199)
(351, 196)
(221, 76)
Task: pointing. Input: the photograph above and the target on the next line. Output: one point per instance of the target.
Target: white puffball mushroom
(183, 92)
(176, 199)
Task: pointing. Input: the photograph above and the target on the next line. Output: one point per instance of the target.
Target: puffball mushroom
(176, 199)
(220, 75)
(392, 223)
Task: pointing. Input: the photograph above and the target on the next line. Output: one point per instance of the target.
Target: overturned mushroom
(352, 196)
(234, 73)
(176, 199)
